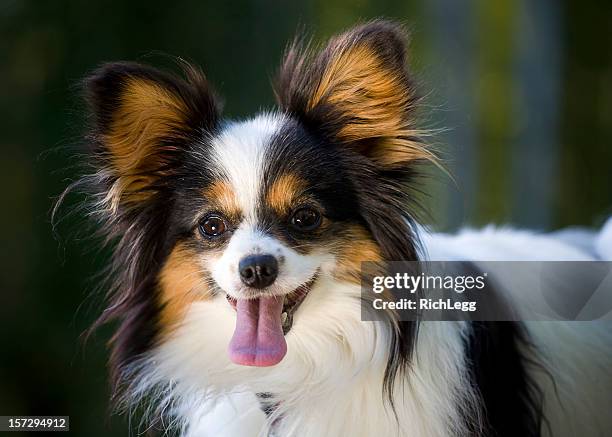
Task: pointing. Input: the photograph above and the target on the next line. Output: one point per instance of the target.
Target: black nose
(258, 271)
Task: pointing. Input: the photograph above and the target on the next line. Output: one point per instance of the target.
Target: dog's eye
(305, 219)
(213, 226)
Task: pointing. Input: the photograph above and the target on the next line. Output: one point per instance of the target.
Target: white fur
(238, 154)
(330, 382)
(603, 244)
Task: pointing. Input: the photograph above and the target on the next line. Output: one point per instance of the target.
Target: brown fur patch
(358, 82)
(358, 90)
(181, 282)
(283, 192)
(356, 246)
(147, 113)
(222, 197)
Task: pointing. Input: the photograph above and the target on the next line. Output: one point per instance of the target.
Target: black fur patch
(326, 173)
(512, 402)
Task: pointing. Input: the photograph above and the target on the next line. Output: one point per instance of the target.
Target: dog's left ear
(356, 92)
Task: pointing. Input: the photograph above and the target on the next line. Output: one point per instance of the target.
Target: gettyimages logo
(488, 291)
(412, 283)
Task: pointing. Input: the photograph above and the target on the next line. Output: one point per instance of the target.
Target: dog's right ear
(143, 120)
(357, 93)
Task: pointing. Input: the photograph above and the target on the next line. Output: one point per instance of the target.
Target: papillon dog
(235, 280)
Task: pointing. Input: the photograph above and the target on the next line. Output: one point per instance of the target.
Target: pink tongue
(258, 338)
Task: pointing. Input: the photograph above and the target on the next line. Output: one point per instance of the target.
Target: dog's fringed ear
(357, 92)
(143, 119)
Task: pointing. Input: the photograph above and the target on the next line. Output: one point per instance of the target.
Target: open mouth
(261, 326)
(291, 303)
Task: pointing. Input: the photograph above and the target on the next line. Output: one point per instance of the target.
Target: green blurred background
(523, 88)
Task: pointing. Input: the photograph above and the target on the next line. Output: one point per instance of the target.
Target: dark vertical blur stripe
(453, 39)
(535, 147)
(585, 183)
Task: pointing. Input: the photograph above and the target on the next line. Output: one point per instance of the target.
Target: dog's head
(251, 216)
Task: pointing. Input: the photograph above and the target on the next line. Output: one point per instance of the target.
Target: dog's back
(574, 370)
